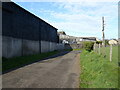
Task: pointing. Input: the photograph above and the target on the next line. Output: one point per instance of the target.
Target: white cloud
(83, 17)
(66, 0)
(87, 17)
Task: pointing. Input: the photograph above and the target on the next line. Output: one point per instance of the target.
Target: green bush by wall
(88, 46)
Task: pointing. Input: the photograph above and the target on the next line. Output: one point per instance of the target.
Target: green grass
(97, 71)
(78, 49)
(73, 49)
(15, 62)
(68, 49)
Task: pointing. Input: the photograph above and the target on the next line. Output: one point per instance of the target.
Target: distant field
(97, 71)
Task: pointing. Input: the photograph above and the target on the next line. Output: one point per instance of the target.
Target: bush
(106, 42)
(98, 42)
(88, 46)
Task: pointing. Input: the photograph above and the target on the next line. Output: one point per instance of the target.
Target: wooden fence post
(110, 52)
(99, 48)
(94, 47)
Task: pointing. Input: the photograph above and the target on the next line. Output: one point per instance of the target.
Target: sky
(81, 18)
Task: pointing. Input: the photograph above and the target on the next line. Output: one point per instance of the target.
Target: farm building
(66, 38)
(72, 39)
(87, 38)
(23, 33)
(113, 42)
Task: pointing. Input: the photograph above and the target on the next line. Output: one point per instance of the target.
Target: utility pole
(103, 35)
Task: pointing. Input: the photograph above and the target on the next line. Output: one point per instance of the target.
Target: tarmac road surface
(58, 72)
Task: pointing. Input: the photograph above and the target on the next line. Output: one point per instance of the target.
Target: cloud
(81, 18)
(66, 0)
(85, 17)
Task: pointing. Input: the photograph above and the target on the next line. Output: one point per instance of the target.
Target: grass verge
(15, 62)
(78, 49)
(73, 49)
(97, 71)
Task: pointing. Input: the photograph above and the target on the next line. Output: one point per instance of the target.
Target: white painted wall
(113, 42)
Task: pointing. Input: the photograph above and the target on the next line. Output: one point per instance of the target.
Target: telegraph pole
(103, 35)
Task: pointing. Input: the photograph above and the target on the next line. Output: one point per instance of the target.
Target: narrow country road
(58, 72)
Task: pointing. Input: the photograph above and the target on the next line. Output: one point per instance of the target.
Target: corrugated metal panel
(19, 23)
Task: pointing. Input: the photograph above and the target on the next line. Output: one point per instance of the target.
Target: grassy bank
(97, 71)
(73, 49)
(15, 62)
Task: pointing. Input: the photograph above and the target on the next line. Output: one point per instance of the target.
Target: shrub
(88, 46)
(98, 42)
(106, 42)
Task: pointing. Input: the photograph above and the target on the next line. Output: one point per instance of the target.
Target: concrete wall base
(45, 46)
(12, 47)
(30, 47)
(60, 46)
